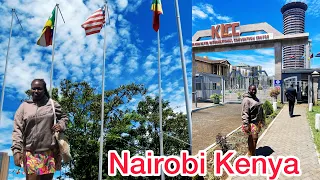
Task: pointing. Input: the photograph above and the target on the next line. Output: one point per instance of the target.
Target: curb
(315, 147)
(198, 109)
(221, 104)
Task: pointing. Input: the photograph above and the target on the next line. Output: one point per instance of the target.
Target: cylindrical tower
(293, 22)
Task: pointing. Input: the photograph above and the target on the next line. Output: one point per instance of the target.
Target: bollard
(310, 106)
(317, 122)
(274, 105)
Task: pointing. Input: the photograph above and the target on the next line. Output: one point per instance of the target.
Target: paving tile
(292, 137)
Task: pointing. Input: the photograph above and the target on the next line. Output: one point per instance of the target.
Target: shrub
(274, 93)
(215, 96)
(222, 141)
(267, 107)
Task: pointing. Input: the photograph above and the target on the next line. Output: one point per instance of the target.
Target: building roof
(210, 61)
(300, 70)
(291, 5)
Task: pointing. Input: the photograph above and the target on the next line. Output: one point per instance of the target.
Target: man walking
(291, 94)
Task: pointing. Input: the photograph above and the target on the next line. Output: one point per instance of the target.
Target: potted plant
(215, 98)
(239, 95)
(274, 94)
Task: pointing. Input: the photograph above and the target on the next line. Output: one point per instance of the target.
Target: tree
(124, 129)
(81, 102)
(147, 131)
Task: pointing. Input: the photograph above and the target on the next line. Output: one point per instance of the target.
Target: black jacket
(291, 94)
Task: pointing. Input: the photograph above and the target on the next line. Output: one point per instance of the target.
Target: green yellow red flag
(47, 32)
(156, 7)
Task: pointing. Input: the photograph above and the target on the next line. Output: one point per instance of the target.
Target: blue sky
(206, 13)
(131, 50)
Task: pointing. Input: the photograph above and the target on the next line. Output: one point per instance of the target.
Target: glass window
(198, 86)
(214, 86)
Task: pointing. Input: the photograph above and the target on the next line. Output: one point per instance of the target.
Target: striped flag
(47, 32)
(156, 7)
(311, 56)
(95, 22)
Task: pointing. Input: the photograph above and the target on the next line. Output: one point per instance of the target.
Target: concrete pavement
(291, 137)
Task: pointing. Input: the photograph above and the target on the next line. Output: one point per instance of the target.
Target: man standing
(291, 94)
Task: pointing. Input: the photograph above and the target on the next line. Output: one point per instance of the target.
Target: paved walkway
(291, 136)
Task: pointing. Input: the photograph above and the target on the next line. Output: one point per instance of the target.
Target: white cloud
(74, 52)
(198, 13)
(268, 52)
(205, 11)
(169, 36)
(5, 120)
(122, 4)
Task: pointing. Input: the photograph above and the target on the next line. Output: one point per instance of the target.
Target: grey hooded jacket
(32, 126)
(252, 110)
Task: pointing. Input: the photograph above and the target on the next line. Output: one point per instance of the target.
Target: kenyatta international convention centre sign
(229, 34)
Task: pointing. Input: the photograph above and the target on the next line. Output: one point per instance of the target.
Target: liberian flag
(95, 22)
(47, 33)
(156, 7)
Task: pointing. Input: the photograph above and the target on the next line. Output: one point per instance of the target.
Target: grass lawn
(311, 118)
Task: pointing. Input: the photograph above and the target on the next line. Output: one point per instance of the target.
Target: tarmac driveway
(207, 123)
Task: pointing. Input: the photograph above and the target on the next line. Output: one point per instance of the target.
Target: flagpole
(102, 100)
(5, 70)
(53, 43)
(160, 103)
(186, 93)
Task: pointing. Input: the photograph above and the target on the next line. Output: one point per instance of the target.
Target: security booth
(205, 85)
(302, 79)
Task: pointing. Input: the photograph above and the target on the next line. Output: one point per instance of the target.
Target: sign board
(229, 33)
(277, 82)
(233, 40)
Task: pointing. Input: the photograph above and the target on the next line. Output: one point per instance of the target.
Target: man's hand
(18, 159)
(56, 127)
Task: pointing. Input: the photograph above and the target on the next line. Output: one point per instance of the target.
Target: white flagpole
(160, 103)
(186, 93)
(5, 70)
(53, 43)
(102, 100)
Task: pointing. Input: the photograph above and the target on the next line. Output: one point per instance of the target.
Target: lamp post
(314, 75)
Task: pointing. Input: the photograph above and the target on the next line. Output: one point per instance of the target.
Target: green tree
(124, 129)
(175, 130)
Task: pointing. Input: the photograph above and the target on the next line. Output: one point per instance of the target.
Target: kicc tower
(294, 22)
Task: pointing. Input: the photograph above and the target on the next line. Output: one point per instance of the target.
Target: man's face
(253, 90)
(37, 90)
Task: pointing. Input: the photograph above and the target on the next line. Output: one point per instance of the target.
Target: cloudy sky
(206, 13)
(131, 50)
